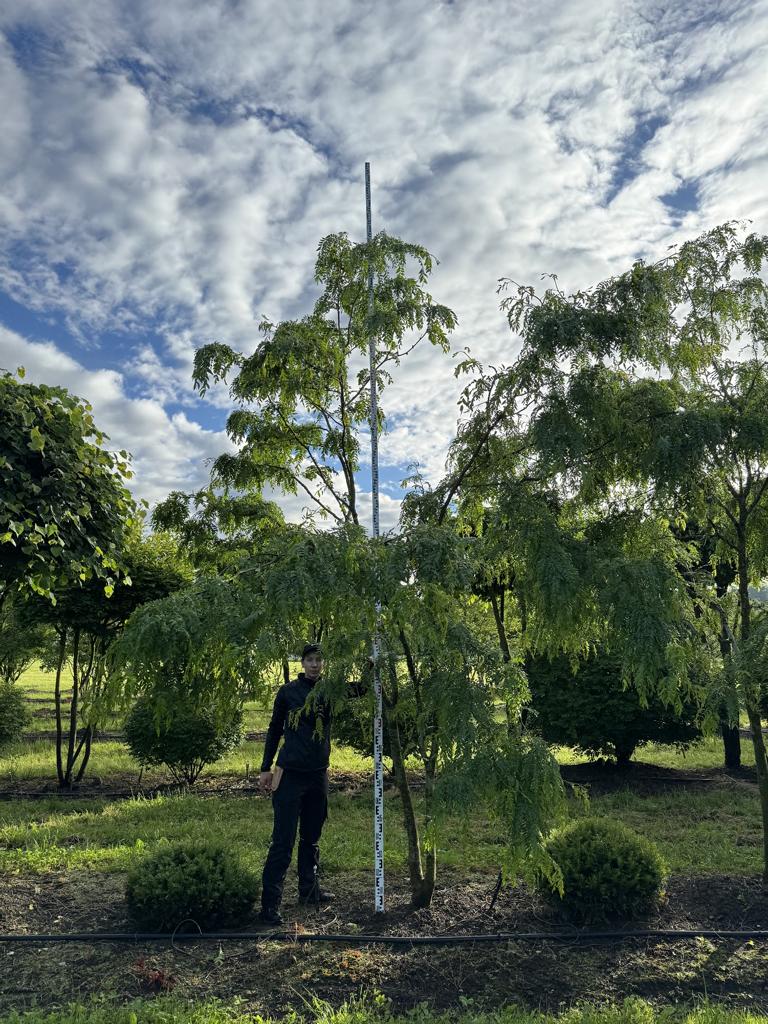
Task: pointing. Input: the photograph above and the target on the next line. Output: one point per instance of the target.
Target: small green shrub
(609, 871)
(14, 714)
(185, 743)
(199, 881)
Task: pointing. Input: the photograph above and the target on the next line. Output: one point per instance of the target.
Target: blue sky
(168, 170)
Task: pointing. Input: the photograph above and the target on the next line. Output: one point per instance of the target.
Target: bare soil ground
(273, 976)
(646, 779)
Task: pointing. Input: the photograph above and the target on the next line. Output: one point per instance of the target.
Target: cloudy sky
(167, 171)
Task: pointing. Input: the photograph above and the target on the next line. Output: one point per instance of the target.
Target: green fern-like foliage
(609, 872)
(193, 881)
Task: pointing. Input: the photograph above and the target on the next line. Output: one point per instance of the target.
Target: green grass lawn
(169, 1010)
(710, 829)
(698, 833)
(707, 831)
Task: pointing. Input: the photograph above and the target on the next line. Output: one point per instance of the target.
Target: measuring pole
(378, 725)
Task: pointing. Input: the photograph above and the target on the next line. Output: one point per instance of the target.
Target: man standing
(301, 797)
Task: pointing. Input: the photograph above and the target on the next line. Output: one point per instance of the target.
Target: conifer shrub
(185, 741)
(609, 872)
(14, 714)
(592, 712)
(193, 880)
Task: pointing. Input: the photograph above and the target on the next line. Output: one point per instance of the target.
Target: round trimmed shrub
(186, 743)
(14, 714)
(609, 871)
(200, 881)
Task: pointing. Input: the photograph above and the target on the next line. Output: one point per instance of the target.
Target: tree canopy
(63, 506)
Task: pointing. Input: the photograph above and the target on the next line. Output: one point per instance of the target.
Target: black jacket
(302, 750)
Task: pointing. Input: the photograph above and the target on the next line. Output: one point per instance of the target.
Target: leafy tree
(86, 621)
(187, 742)
(63, 507)
(22, 639)
(305, 434)
(654, 405)
(14, 713)
(217, 530)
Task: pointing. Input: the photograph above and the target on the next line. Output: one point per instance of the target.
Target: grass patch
(37, 836)
(374, 1010)
(698, 833)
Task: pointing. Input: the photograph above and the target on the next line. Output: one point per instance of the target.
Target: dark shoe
(269, 916)
(323, 896)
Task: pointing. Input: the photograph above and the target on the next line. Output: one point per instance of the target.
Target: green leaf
(37, 442)
(21, 372)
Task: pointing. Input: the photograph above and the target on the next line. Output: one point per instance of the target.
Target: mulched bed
(646, 779)
(271, 976)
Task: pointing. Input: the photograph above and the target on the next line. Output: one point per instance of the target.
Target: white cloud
(496, 139)
(169, 452)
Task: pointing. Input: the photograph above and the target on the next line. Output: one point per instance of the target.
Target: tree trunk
(729, 732)
(731, 743)
(498, 615)
(423, 896)
(73, 710)
(761, 764)
(57, 700)
(85, 745)
(415, 869)
(624, 752)
(286, 672)
(753, 710)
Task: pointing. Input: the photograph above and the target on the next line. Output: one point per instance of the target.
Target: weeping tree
(656, 419)
(228, 634)
(303, 411)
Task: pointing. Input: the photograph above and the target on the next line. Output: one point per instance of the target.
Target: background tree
(654, 404)
(23, 639)
(86, 621)
(218, 530)
(63, 506)
(590, 710)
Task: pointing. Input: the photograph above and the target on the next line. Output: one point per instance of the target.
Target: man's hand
(265, 781)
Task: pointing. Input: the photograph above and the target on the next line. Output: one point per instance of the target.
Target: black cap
(310, 649)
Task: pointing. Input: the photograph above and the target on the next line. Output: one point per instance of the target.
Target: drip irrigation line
(388, 940)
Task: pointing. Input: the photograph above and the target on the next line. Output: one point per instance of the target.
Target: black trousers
(300, 801)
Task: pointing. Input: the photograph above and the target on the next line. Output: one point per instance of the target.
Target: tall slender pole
(378, 726)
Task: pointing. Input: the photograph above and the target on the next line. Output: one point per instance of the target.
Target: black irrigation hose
(387, 940)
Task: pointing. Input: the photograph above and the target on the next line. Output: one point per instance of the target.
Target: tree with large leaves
(63, 506)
